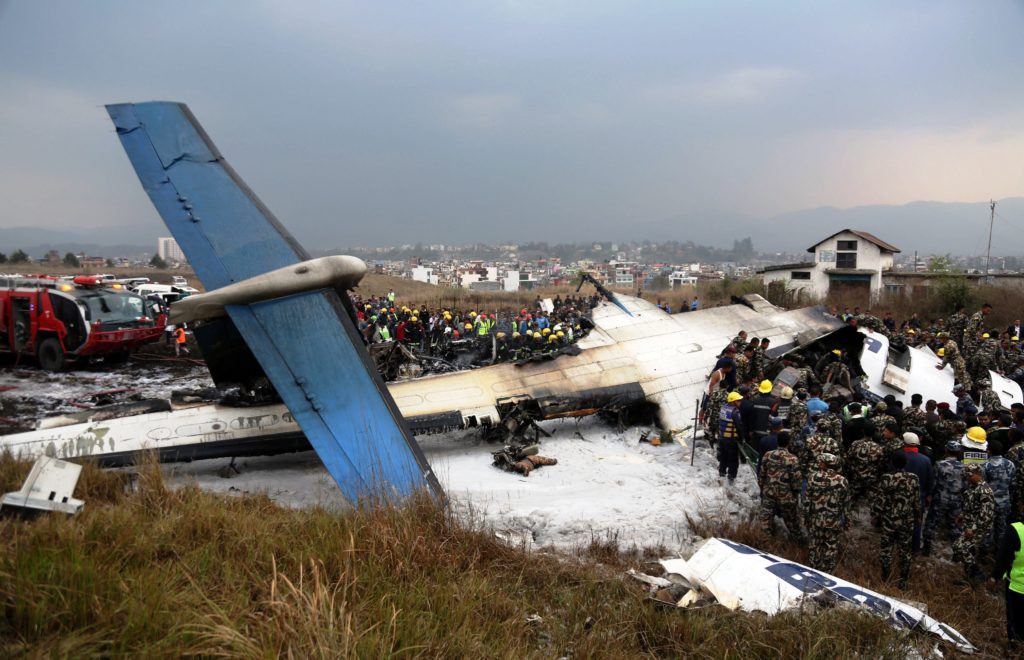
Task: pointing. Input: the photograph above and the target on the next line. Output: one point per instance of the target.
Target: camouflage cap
(830, 460)
(974, 468)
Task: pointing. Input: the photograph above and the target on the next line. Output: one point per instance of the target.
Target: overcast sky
(383, 122)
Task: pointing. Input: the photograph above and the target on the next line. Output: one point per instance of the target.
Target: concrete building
(167, 249)
(848, 261)
(423, 274)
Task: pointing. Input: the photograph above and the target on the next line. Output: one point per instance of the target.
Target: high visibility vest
(385, 334)
(727, 423)
(1017, 568)
(484, 327)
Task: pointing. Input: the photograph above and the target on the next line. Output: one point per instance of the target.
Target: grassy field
(164, 573)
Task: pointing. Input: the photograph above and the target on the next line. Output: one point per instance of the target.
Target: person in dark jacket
(757, 416)
(921, 465)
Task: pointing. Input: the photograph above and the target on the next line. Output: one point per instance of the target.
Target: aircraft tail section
(307, 344)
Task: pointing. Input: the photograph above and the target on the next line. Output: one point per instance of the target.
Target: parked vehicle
(60, 322)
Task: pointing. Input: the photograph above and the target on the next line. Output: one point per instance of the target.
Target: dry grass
(161, 572)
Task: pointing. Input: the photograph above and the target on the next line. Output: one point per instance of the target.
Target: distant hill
(96, 242)
(928, 227)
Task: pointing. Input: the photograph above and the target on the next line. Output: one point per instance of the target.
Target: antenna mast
(991, 221)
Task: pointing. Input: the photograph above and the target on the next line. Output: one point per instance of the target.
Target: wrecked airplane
(272, 314)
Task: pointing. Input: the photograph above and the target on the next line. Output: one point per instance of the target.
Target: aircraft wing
(306, 343)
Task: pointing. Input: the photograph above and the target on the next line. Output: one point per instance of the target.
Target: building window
(800, 275)
(846, 245)
(846, 259)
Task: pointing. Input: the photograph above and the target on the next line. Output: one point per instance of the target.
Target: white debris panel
(745, 578)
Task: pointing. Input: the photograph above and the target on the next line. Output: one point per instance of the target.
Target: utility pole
(991, 221)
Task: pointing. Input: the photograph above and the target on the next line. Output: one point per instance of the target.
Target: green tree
(955, 292)
(3, 258)
(941, 263)
(71, 260)
(110, 263)
(157, 262)
(659, 283)
(19, 257)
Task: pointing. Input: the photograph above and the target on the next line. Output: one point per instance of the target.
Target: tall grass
(161, 572)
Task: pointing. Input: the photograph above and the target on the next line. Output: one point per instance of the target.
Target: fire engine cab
(62, 321)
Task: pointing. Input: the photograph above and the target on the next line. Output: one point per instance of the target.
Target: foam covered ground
(606, 485)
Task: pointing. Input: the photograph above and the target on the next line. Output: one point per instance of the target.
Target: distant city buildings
(168, 249)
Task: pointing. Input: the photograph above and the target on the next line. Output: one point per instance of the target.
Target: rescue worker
(797, 418)
(920, 465)
(826, 508)
(759, 416)
(179, 340)
(730, 432)
(836, 373)
(1000, 474)
(973, 330)
(1010, 567)
(865, 461)
(950, 354)
(988, 400)
(897, 511)
(977, 509)
(944, 512)
(780, 478)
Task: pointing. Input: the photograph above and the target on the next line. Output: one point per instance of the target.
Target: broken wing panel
(306, 344)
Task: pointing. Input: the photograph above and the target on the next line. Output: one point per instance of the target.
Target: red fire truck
(64, 321)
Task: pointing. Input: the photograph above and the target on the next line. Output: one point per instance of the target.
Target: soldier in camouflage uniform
(864, 463)
(879, 419)
(756, 360)
(743, 365)
(951, 355)
(956, 324)
(985, 358)
(836, 374)
(1016, 451)
(915, 419)
(949, 427)
(739, 341)
(988, 400)
(891, 439)
(826, 509)
(897, 509)
(805, 375)
(715, 402)
(974, 329)
(830, 423)
(946, 496)
(873, 323)
(977, 509)
(797, 418)
(818, 443)
(781, 480)
(1000, 474)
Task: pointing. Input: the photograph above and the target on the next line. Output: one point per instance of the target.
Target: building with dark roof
(849, 260)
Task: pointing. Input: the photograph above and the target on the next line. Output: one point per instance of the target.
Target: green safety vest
(385, 334)
(1017, 568)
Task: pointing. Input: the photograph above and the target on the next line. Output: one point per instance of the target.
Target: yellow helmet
(468, 326)
(975, 438)
(941, 352)
(546, 331)
(415, 319)
(500, 335)
(733, 397)
(910, 331)
(985, 336)
(765, 387)
(560, 334)
(537, 336)
(515, 334)
(552, 338)
(836, 351)
(529, 333)
(1014, 338)
(472, 314)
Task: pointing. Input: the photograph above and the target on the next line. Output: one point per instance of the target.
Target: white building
(681, 278)
(848, 260)
(423, 274)
(167, 249)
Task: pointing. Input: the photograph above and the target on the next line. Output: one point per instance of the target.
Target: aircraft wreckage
(274, 316)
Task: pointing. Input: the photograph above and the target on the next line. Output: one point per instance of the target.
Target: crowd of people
(440, 331)
(828, 454)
